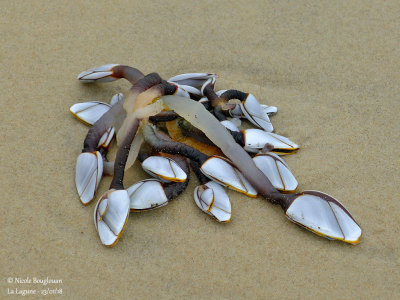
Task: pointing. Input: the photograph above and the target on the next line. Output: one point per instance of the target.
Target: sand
(331, 67)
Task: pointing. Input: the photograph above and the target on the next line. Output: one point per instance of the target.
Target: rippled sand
(332, 68)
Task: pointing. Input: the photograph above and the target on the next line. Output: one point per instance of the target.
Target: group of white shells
(113, 208)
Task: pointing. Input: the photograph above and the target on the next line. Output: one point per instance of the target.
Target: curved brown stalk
(164, 116)
(170, 146)
(216, 102)
(129, 73)
(203, 179)
(234, 94)
(174, 189)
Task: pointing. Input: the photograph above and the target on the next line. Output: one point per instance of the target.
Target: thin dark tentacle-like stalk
(234, 94)
(203, 179)
(238, 136)
(216, 102)
(174, 189)
(167, 88)
(209, 92)
(144, 152)
(219, 113)
(171, 147)
(164, 116)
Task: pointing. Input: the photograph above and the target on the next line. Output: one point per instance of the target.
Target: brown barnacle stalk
(158, 142)
(217, 103)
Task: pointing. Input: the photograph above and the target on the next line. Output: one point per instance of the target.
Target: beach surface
(331, 67)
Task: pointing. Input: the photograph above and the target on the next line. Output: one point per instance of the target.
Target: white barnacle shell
(222, 171)
(255, 140)
(191, 79)
(212, 199)
(230, 125)
(184, 90)
(89, 112)
(325, 216)
(88, 173)
(236, 111)
(269, 110)
(100, 74)
(110, 216)
(164, 168)
(277, 171)
(147, 194)
(253, 111)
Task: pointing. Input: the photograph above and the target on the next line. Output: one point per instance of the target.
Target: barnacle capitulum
(101, 74)
(256, 139)
(324, 215)
(223, 172)
(110, 216)
(235, 110)
(253, 111)
(212, 199)
(88, 173)
(165, 124)
(190, 82)
(89, 112)
(147, 194)
(277, 171)
(164, 168)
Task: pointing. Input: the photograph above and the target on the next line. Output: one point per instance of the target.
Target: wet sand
(331, 68)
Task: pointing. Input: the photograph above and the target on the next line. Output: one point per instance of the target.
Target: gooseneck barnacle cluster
(173, 125)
